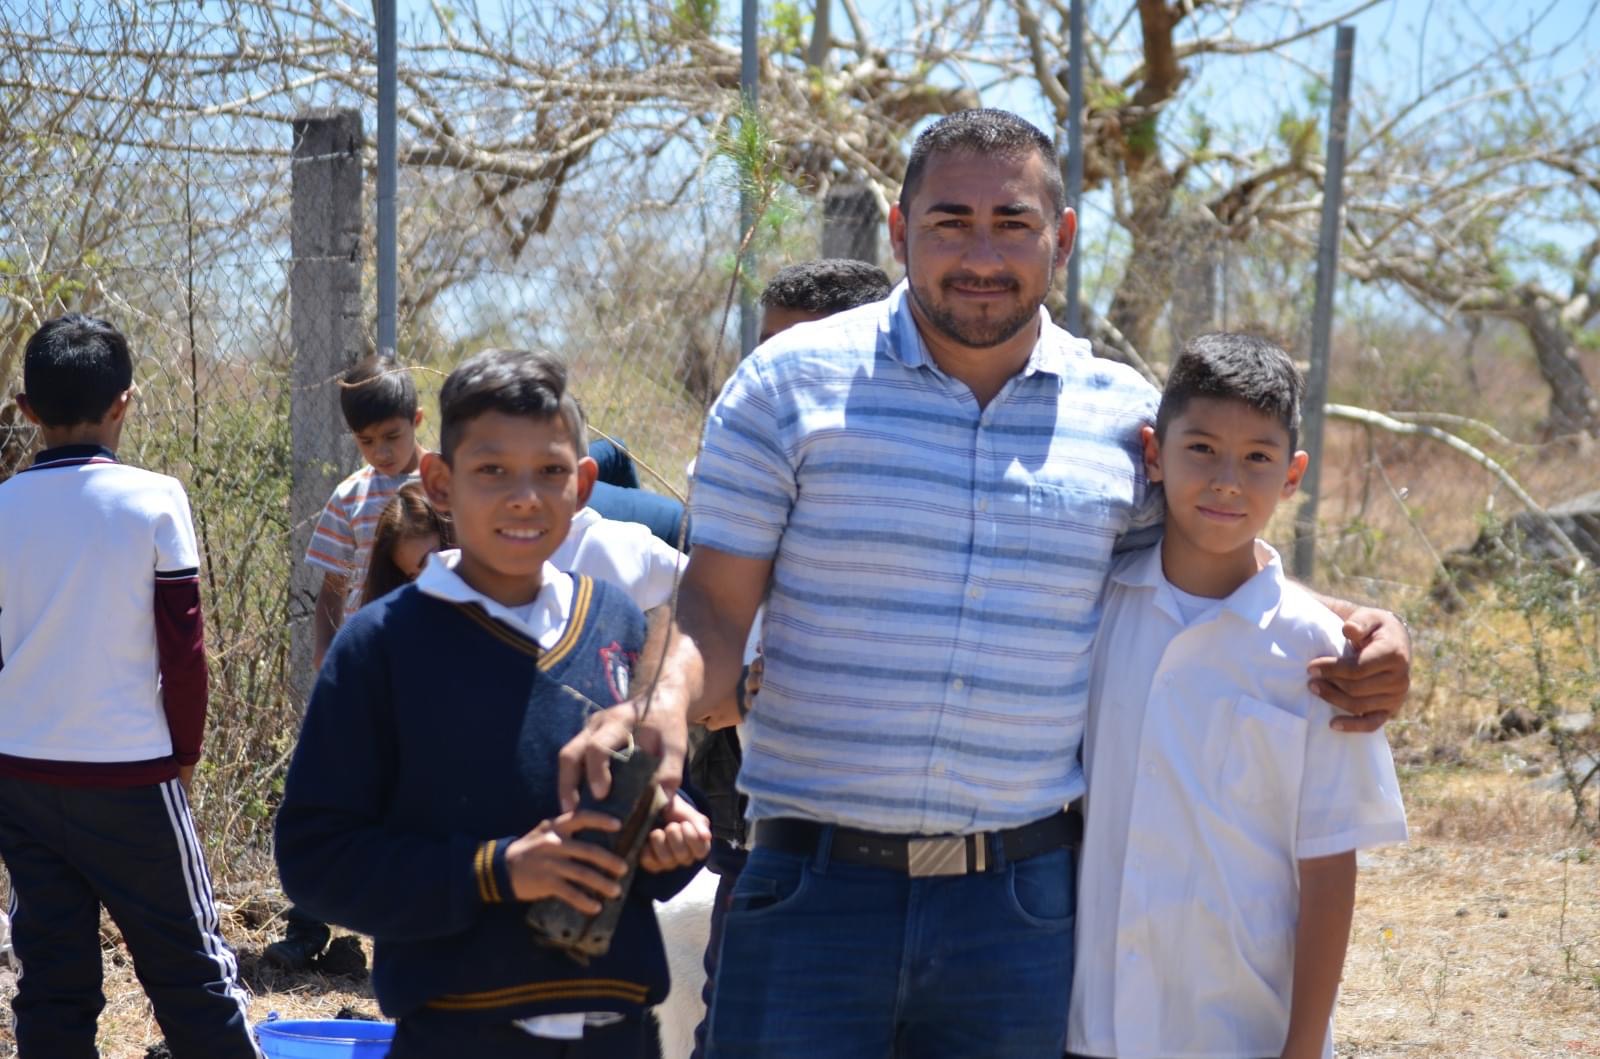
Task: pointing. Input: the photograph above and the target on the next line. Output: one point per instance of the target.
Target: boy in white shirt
(1223, 813)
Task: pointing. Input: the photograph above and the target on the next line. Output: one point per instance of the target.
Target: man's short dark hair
(514, 382)
(74, 368)
(997, 133)
(375, 390)
(830, 285)
(1234, 367)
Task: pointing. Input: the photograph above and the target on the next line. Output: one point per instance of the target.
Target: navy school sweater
(429, 745)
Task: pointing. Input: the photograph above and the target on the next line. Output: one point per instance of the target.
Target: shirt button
(938, 768)
(958, 683)
(975, 592)
(983, 503)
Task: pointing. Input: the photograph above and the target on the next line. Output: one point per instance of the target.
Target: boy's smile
(1224, 466)
(511, 487)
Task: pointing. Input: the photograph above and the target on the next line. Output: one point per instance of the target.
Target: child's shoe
(299, 948)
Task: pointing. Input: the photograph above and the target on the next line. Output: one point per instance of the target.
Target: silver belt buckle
(939, 855)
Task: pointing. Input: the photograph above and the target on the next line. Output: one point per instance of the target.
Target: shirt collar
(72, 455)
(899, 337)
(548, 618)
(1256, 601)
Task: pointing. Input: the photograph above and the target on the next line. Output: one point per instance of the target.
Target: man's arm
(328, 614)
(1369, 682)
(696, 664)
(1327, 902)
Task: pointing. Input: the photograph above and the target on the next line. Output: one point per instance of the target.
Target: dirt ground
(1481, 937)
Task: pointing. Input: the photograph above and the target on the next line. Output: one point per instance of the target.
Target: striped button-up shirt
(937, 567)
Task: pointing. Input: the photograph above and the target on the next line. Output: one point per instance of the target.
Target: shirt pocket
(1058, 543)
(1265, 757)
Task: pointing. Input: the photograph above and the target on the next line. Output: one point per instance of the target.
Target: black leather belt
(923, 855)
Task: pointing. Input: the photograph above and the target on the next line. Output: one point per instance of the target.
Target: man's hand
(186, 777)
(684, 838)
(549, 862)
(587, 756)
(1370, 680)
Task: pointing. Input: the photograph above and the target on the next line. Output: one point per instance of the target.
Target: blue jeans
(824, 958)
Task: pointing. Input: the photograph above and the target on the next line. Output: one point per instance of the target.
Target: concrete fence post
(325, 326)
(850, 223)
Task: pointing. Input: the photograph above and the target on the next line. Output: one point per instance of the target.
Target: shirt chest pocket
(1266, 755)
(1057, 541)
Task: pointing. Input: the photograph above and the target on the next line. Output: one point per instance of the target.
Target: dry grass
(1482, 936)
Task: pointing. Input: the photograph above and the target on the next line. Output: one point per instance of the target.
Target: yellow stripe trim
(559, 983)
(505, 635)
(477, 871)
(472, 1002)
(483, 862)
(580, 612)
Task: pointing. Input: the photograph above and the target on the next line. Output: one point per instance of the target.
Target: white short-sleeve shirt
(624, 554)
(1211, 771)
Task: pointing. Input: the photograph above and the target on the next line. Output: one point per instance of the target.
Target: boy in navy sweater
(421, 807)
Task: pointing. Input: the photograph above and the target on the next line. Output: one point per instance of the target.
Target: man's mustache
(972, 282)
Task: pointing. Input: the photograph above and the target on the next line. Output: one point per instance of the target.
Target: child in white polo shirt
(102, 711)
(1223, 812)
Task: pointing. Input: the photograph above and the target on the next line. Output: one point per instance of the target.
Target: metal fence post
(325, 328)
(749, 88)
(1074, 175)
(1305, 529)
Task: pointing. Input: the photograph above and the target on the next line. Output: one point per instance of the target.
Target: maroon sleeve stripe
(180, 648)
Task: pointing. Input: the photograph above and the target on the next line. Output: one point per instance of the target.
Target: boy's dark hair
(374, 390)
(1234, 367)
(998, 133)
(830, 285)
(74, 368)
(516, 382)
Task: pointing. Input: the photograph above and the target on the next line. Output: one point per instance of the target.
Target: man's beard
(977, 334)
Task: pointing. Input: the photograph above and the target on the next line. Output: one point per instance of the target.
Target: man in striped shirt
(928, 492)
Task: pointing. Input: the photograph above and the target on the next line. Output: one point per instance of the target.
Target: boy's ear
(416, 420)
(1297, 470)
(435, 474)
(1152, 453)
(119, 407)
(27, 410)
(588, 471)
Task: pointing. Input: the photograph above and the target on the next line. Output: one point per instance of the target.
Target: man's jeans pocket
(770, 882)
(1040, 890)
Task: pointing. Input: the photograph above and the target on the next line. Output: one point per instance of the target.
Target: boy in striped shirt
(379, 403)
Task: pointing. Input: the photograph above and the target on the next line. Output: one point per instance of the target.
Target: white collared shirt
(543, 620)
(625, 554)
(1211, 771)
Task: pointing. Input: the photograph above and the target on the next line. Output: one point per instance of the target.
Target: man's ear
(1152, 453)
(1066, 236)
(897, 233)
(435, 473)
(588, 471)
(1297, 470)
(27, 410)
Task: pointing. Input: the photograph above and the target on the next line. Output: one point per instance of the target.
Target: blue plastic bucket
(324, 1038)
